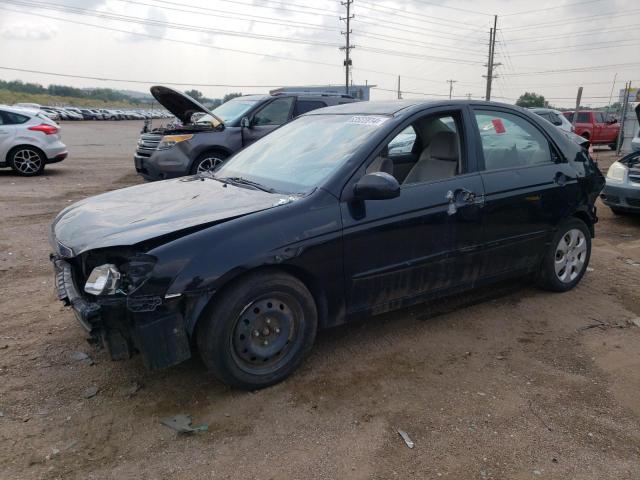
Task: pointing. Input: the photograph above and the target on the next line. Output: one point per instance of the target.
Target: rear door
(529, 188)
(7, 132)
(304, 105)
(267, 118)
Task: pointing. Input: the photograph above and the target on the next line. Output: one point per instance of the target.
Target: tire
(259, 330)
(213, 158)
(613, 146)
(27, 161)
(567, 258)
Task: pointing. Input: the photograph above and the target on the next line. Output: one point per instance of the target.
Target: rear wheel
(208, 161)
(27, 161)
(259, 330)
(567, 258)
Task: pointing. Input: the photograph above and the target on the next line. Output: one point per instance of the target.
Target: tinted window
(569, 116)
(304, 106)
(555, 119)
(10, 118)
(511, 141)
(584, 117)
(275, 113)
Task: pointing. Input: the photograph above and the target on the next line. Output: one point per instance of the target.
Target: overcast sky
(254, 44)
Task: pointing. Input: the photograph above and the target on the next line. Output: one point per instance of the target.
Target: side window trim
(555, 151)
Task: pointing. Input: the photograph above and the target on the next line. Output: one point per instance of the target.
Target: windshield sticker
(498, 125)
(368, 120)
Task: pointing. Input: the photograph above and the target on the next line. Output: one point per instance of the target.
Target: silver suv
(205, 139)
(28, 141)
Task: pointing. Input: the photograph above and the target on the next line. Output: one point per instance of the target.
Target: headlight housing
(103, 280)
(617, 172)
(169, 141)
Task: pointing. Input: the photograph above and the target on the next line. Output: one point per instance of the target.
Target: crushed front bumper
(125, 325)
(622, 197)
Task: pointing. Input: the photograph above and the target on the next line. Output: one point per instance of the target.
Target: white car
(635, 142)
(28, 141)
(556, 117)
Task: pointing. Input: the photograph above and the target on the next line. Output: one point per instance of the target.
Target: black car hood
(180, 104)
(143, 212)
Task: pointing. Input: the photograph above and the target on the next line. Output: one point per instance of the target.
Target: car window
(584, 117)
(275, 113)
(11, 118)
(555, 119)
(569, 116)
(304, 106)
(511, 141)
(428, 150)
(403, 142)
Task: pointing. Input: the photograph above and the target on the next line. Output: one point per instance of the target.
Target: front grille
(634, 175)
(148, 143)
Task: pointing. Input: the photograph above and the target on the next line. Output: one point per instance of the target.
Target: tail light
(45, 128)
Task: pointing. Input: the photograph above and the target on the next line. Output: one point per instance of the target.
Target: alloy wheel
(27, 162)
(209, 163)
(570, 255)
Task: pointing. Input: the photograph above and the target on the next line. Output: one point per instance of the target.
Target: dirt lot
(510, 383)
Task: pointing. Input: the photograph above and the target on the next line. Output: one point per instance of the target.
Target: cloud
(28, 31)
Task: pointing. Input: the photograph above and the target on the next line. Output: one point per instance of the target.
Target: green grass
(9, 98)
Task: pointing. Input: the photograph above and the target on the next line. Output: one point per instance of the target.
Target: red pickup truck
(599, 128)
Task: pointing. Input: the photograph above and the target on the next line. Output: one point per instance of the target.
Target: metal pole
(451, 82)
(613, 86)
(492, 51)
(347, 48)
(488, 92)
(399, 91)
(627, 91)
(575, 114)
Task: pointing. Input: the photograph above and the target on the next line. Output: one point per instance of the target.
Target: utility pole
(469, 96)
(399, 91)
(625, 104)
(451, 82)
(490, 61)
(347, 48)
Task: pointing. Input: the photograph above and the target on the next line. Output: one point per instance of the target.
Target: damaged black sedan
(321, 222)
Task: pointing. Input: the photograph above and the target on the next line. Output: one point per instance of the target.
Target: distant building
(361, 92)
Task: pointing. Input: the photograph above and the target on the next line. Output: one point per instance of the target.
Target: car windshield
(300, 155)
(230, 111)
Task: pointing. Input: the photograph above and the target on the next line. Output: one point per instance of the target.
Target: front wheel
(567, 258)
(259, 330)
(209, 161)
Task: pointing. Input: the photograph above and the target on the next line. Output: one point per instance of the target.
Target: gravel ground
(508, 383)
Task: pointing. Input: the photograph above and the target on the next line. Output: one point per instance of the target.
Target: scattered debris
(4, 346)
(589, 269)
(134, 388)
(537, 473)
(82, 357)
(181, 423)
(500, 357)
(90, 392)
(406, 438)
(631, 261)
(636, 321)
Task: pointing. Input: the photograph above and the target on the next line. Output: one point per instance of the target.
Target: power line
(557, 23)
(578, 69)
(412, 16)
(439, 5)
(538, 10)
(176, 26)
(542, 38)
(154, 82)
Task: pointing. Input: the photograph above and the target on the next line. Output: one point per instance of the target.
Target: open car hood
(181, 104)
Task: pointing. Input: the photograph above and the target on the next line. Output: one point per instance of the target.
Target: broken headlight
(169, 141)
(103, 280)
(617, 172)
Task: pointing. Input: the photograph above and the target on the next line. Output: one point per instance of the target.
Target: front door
(424, 241)
(528, 186)
(275, 113)
(7, 132)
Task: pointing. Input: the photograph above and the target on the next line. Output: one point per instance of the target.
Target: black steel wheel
(259, 330)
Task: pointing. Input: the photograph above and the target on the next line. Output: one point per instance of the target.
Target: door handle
(462, 197)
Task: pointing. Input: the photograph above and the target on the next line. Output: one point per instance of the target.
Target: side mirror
(376, 186)
(245, 122)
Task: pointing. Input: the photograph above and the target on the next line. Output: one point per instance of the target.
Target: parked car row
(76, 113)
(342, 213)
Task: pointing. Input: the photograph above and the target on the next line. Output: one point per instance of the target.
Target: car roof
(394, 107)
(19, 110)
